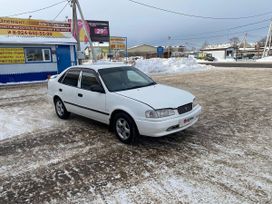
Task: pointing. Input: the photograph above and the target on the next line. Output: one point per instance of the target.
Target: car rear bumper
(161, 128)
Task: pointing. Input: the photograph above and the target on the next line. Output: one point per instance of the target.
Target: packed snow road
(225, 158)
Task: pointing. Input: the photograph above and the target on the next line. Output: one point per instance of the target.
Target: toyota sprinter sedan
(123, 97)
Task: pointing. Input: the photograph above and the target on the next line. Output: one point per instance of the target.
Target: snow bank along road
(225, 158)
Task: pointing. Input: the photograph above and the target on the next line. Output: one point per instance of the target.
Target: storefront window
(38, 55)
(47, 55)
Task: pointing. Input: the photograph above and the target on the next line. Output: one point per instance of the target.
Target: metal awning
(37, 40)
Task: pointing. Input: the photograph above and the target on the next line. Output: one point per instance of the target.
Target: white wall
(218, 54)
(27, 68)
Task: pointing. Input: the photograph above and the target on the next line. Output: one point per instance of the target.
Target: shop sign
(12, 56)
(34, 28)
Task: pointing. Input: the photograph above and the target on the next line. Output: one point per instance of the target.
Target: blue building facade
(35, 61)
(32, 49)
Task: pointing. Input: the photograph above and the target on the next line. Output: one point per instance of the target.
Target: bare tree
(205, 44)
(261, 42)
(234, 41)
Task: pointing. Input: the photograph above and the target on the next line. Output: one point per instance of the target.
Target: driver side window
(88, 80)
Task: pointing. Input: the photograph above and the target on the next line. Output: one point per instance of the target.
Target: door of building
(63, 57)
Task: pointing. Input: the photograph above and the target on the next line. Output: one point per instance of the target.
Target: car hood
(159, 96)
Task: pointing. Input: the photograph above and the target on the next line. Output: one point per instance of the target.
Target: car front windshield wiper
(136, 87)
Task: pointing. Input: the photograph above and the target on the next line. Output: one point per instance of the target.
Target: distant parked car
(205, 56)
(124, 98)
(209, 57)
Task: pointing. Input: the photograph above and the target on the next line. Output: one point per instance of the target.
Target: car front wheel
(125, 128)
(60, 109)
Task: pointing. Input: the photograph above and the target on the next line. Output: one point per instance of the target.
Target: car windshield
(124, 78)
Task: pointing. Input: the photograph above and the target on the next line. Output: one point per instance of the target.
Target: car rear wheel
(60, 109)
(125, 128)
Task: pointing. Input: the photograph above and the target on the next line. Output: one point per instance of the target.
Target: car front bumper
(166, 126)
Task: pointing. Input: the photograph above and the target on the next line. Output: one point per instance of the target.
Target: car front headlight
(195, 102)
(159, 113)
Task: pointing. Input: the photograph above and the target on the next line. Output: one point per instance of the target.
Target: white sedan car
(124, 98)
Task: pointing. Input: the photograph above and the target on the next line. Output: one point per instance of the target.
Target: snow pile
(171, 65)
(265, 59)
(226, 60)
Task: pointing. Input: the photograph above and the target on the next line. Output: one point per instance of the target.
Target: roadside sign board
(118, 43)
(160, 51)
(99, 31)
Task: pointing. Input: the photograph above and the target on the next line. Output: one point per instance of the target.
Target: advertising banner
(12, 56)
(99, 31)
(118, 43)
(34, 28)
(82, 35)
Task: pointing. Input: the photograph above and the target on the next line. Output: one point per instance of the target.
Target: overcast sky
(145, 25)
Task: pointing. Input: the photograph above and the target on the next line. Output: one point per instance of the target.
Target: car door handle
(80, 95)
(60, 90)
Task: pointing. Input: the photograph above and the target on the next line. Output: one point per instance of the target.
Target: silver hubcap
(123, 129)
(60, 108)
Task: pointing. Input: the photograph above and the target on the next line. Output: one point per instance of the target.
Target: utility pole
(245, 41)
(75, 6)
(75, 30)
(169, 38)
(267, 46)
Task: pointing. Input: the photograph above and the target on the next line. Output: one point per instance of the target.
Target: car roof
(96, 67)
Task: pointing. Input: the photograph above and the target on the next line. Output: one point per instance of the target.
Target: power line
(216, 36)
(233, 28)
(197, 16)
(35, 11)
(61, 10)
(212, 36)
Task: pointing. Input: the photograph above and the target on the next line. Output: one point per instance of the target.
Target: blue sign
(160, 51)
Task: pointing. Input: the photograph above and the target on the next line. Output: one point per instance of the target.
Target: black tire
(60, 109)
(125, 128)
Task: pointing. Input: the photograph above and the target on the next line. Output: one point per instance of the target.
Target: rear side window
(71, 78)
(88, 80)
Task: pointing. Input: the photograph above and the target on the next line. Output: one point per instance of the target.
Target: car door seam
(87, 108)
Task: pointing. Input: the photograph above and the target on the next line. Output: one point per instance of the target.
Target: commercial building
(31, 50)
(150, 51)
(143, 50)
(220, 52)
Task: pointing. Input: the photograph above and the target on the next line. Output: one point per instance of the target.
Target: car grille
(185, 108)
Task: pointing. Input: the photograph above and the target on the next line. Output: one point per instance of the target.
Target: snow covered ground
(24, 110)
(265, 59)
(226, 60)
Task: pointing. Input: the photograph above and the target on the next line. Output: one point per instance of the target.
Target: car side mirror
(97, 88)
